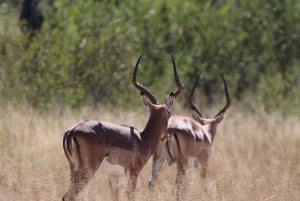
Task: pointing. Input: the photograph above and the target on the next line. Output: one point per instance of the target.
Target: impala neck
(213, 130)
(155, 126)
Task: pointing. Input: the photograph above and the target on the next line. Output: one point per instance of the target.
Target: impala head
(197, 115)
(158, 111)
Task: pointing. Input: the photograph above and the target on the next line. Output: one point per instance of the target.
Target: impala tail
(71, 147)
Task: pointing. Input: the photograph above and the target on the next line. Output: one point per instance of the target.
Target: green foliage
(86, 51)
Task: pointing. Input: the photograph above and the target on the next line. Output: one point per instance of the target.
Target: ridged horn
(139, 86)
(179, 84)
(228, 101)
(190, 97)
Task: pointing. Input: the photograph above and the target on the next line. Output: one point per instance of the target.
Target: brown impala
(188, 138)
(119, 150)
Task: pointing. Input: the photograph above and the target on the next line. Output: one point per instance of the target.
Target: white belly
(192, 160)
(112, 169)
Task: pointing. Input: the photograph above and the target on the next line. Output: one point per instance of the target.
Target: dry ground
(255, 157)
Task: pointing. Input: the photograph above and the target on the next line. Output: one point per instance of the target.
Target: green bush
(86, 51)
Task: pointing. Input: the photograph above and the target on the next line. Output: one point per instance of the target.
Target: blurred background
(70, 53)
(62, 61)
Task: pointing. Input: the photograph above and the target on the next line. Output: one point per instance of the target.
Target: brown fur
(87, 143)
(187, 137)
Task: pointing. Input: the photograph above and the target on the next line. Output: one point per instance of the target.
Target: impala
(188, 138)
(120, 150)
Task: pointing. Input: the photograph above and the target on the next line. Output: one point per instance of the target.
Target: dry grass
(256, 157)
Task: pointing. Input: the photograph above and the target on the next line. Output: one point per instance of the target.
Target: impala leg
(114, 187)
(204, 164)
(156, 167)
(131, 186)
(81, 173)
(78, 181)
(180, 182)
(203, 170)
(203, 177)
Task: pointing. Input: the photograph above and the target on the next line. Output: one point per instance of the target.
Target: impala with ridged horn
(118, 150)
(188, 137)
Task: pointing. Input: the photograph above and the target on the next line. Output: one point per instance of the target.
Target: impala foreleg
(204, 163)
(158, 160)
(203, 173)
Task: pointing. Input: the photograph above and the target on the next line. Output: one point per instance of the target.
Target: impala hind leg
(203, 171)
(180, 183)
(80, 176)
(79, 179)
(131, 186)
(114, 187)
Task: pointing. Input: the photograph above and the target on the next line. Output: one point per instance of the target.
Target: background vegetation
(83, 58)
(85, 52)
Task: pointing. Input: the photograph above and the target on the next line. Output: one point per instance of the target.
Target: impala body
(120, 150)
(187, 138)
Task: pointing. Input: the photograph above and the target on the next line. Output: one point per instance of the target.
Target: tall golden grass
(255, 157)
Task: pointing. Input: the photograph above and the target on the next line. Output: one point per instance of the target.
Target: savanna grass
(255, 157)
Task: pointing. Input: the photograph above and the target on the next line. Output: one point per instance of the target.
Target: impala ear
(198, 118)
(195, 115)
(220, 117)
(147, 102)
(170, 100)
(144, 99)
(204, 121)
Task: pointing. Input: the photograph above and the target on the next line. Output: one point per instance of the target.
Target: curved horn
(228, 101)
(190, 98)
(179, 84)
(139, 86)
